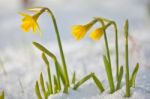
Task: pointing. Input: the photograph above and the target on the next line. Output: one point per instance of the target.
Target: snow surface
(23, 66)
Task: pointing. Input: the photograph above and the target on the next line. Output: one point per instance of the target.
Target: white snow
(23, 66)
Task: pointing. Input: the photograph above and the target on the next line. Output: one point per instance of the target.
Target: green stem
(116, 43)
(117, 53)
(60, 46)
(107, 47)
(106, 41)
(126, 59)
(108, 55)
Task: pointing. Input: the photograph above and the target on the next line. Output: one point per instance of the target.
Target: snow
(23, 66)
(89, 91)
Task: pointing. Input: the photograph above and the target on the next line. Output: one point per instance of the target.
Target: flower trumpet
(79, 31)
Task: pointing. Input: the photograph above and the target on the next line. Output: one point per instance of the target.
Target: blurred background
(20, 62)
(68, 13)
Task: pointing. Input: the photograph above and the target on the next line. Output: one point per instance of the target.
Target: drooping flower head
(30, 22)
(79, 31)
(96, 34)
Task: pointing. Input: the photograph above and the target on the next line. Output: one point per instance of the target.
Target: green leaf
(37, 91)
(61, 72)
(48, 72)
(48, 88)
(82, 81)
(43, 49)
(74, 78)
(42, 85)
(109, 74)
(86, 78)
(42, 82)
(48, 68)
(65, 89)
(55, 85)
(45, 59)
(58, 76)
(98, 83)
(133, 76)
(119, 78)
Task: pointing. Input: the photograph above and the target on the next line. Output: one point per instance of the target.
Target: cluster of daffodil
(60, 80)
(79, 31)
(56, 81)
(2, 95)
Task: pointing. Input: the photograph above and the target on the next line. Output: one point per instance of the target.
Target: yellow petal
(34, 26)
(26, 26)
(96, 34)
(79, 31)
(29, 22)
(24, 14)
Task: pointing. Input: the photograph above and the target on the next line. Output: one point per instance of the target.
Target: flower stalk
(60, 46)
(110, 22)
(126, 59)
(108, 63)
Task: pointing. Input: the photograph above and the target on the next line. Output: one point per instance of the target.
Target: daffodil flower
(30, 22)
(96, 34)
(79, 31)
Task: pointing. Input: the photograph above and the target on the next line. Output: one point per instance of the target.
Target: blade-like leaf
(109, 74)
(58, 76)
(119, 78)
(48, 72)
(133, 76)
(45, 59)
(48, 88)
(59, 70)
(55, 85)
(98, 83)
(43, 86)
(82, 81)
(43, 49)
(42, 82)
(37, 91)
(74, 78)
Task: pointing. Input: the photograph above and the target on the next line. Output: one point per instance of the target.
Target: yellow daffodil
(96, 34)
(79, 31)
(30, 22)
